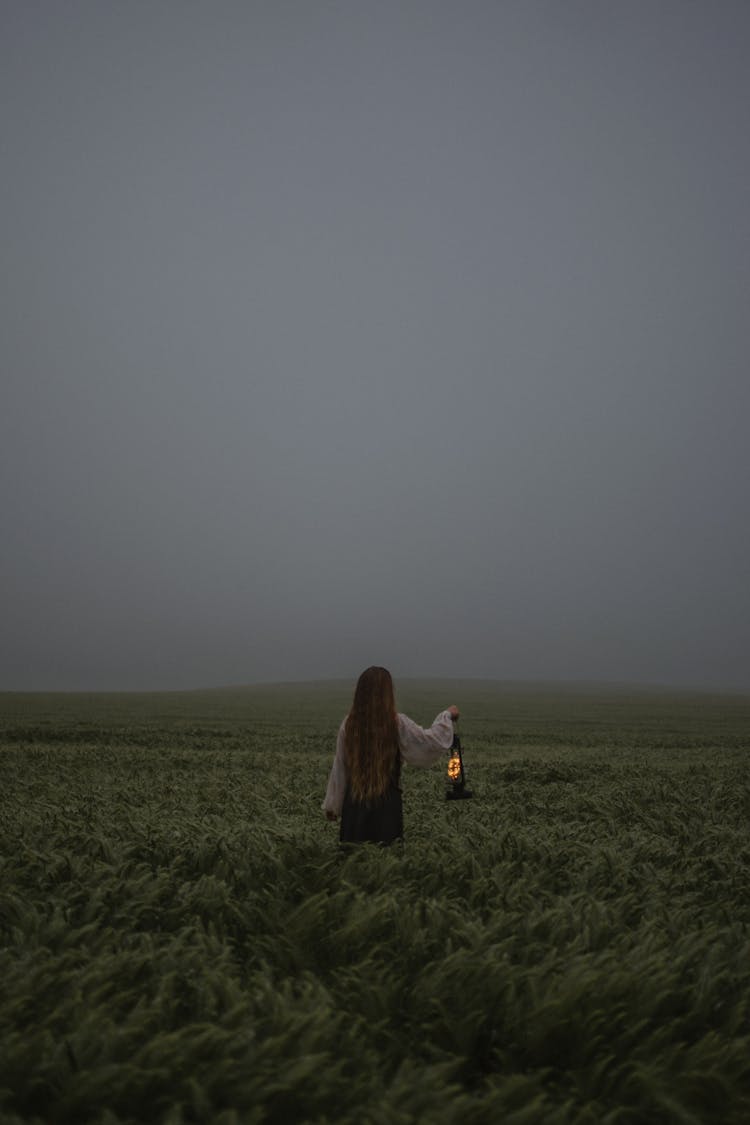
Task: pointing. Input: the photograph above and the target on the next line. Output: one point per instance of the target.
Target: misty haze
(407, 334)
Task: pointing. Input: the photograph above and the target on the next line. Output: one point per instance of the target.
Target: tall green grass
(181, 940)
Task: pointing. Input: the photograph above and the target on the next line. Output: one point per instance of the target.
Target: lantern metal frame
(457, 790)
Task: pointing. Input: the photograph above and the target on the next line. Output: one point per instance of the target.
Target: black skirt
(379, 822)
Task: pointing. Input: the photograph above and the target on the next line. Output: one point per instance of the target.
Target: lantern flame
(454, 768)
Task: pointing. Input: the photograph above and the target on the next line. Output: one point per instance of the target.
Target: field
(181, 939)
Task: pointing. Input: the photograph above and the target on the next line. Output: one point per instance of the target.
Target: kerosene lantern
(456, 790)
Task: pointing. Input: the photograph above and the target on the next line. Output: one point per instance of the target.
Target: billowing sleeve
(422, 746)
(334, 797)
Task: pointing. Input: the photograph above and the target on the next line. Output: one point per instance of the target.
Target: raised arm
(421, 746)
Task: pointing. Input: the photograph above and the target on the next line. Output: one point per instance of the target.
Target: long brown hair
(373, 757)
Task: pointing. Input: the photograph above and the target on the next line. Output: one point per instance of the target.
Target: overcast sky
(410, 333)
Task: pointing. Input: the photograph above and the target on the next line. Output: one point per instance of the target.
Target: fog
(409, 333)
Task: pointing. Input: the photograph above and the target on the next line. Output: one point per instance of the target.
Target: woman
(363, 787)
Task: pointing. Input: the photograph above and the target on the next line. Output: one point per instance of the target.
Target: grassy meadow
(181, 939)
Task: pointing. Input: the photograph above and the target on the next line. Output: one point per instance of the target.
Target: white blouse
(419, 747)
